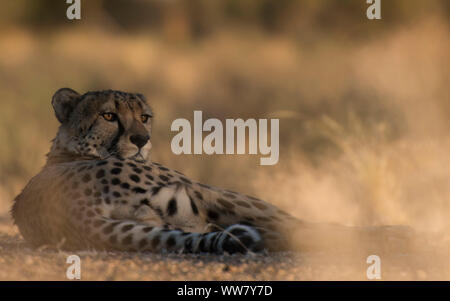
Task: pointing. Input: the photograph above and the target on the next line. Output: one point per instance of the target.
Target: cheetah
(100, 190)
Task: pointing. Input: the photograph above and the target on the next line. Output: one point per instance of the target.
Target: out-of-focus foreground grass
(363, 108)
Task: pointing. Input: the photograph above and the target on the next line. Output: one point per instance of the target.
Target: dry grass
(19, 262)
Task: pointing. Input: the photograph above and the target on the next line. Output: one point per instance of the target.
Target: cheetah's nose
(139, 140)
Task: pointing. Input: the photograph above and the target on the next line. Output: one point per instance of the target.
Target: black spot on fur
(150, 177)
(116, 171)
(135, 178)
(229, 195)
(101, 163)
(159, 212)
(106, 189)
(128, 240)
(243, 204)
(145, 202)
(172, 207)
(156, 189)
(259, 205)
(202, 245)
(115, 181)
(132, 165)
(137, 170)
(225, 203)
(185, 180)
(164, 178)
(88, 192)
(139, 190)
(125, 186)
(263, 219)
(100, 174)
(127, 228)
(213, 215)
(155, 241)
(188, 244)
(143, 243)
(170, 242)
(86, 178)
(198, 194)
(117, 194)
(193, 206)
(147, 229)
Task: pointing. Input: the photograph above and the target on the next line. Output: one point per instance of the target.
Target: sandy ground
(19, 262)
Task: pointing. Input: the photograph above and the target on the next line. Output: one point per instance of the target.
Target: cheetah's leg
(133, 236)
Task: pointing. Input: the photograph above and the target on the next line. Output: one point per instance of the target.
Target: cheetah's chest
(124, 190)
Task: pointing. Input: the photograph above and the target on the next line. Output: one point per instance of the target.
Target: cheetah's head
(102, 124)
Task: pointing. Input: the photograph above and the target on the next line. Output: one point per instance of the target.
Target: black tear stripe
(90, 128)
(117, 137)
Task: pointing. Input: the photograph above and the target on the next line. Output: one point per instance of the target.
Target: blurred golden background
(363, 105)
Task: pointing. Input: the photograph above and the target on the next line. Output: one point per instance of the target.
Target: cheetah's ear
(64, 102)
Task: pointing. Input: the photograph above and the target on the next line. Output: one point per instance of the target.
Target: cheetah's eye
(109, 116)
(145, 118)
